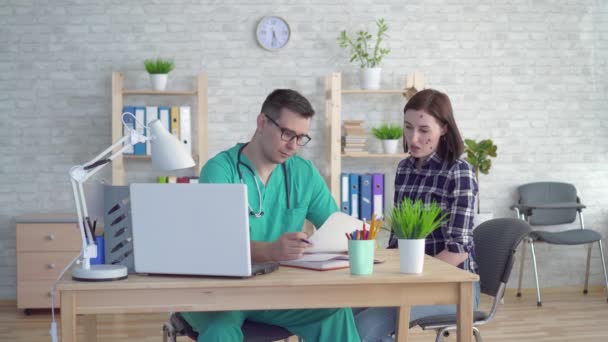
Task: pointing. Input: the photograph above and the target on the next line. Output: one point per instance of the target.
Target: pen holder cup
(100, 259)
(361, 256)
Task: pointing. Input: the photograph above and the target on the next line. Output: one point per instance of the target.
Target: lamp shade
(167, 153)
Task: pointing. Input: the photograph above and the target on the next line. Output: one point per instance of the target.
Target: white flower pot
(411, 253)
(370, 78)
(390, 146)
(159, 81)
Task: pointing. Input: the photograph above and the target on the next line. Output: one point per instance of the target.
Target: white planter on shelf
(159, 81)
(370, 78)
(390, 146)
(411, 254)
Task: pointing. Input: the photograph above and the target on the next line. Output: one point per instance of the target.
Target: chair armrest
(558, 205)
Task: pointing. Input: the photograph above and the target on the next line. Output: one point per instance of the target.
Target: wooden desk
(287, 288)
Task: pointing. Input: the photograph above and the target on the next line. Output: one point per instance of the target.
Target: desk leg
(465, 312)
(90, 328)
(68, 316)
(403, 323)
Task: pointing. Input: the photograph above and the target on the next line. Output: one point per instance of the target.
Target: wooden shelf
(373, 91)
(199, 121)
(333, 104)
(374, 155)
(160, 92)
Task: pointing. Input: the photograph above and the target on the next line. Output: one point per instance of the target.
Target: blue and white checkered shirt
(453, 187)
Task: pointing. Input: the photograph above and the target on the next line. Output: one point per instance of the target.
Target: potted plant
(412, 222)
(368, 53)
(478, 155)
(159, 69)
(389, 134)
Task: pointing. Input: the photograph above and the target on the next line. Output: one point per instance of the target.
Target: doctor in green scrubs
(284, 190)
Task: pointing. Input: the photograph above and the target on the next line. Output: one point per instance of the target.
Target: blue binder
(354, 194)
(140, 121)
(130, 123)
(366, 197)
(344, 194)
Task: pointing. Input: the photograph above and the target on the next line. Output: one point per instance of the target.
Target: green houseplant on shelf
(368, 52)
(159, 69)
(412, 222)
(389, 135)
(478, 155)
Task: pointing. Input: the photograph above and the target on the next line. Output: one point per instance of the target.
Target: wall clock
(272, 33)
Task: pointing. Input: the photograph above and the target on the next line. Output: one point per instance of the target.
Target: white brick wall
(529, 74)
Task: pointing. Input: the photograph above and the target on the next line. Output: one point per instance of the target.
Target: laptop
(192, 229)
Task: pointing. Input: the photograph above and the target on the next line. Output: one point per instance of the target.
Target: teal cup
(361, 256)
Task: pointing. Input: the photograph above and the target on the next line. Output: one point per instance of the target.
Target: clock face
(272, 32)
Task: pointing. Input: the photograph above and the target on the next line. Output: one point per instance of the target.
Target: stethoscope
(260, 213)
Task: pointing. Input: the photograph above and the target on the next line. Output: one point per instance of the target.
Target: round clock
(272, 32)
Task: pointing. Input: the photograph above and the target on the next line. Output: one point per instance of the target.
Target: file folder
(151, 115)
(344, 198)
(378, 194)
(129, 124)
(185, 127)
(140, 122)
(354, 194)
(366, 197)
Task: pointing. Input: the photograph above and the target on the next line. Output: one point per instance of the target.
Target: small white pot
(159, 81)
(390, 146)
(411, 253)
(370, 78)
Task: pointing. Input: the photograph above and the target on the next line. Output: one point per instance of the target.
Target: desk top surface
(435, 271)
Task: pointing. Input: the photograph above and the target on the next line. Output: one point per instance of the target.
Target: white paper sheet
(330, 237)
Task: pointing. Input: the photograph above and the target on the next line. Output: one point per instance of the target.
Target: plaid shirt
(453, 187)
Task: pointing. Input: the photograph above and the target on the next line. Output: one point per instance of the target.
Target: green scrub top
(309, 196)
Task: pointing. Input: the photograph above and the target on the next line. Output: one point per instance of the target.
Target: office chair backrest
(549, 192)
(495, 245)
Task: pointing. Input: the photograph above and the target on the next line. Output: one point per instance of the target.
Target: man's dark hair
(289, 99)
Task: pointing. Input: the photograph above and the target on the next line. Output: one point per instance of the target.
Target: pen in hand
(306, 241)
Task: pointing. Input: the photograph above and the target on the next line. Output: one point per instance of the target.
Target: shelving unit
(333, 110)
(199, 126)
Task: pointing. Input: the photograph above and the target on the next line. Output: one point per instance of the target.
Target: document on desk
(330, 238)
(329, 244)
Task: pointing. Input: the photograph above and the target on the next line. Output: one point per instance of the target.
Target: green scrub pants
(331, 325)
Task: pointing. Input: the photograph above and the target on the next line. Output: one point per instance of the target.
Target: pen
(306, 241)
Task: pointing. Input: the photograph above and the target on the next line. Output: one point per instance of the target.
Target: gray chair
(495, 244)
(552, 203)
(252, 331)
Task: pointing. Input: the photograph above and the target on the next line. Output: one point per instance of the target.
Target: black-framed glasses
(288, 135)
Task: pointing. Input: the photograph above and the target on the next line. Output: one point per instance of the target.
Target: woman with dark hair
(432, 172)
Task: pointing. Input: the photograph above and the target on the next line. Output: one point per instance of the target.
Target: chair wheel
(518, 294)
(446, 334)
(539, 304)
(585, 291)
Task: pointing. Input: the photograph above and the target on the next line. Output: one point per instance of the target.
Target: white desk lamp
(167, 154)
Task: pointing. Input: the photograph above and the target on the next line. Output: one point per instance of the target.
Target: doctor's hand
(289, 246)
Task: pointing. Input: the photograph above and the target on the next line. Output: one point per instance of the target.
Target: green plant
(478, 155)
(363, 49)
(388, 131)
(159, 65)
(415, 220)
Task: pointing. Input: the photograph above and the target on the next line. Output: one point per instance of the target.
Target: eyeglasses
(288, 135)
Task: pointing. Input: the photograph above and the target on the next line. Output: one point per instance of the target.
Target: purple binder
(378, 194)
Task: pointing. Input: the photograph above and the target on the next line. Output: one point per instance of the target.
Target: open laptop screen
(191, 229)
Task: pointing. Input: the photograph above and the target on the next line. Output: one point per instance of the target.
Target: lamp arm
(80, 174)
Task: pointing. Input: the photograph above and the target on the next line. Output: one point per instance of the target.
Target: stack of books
(354, 137)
